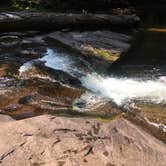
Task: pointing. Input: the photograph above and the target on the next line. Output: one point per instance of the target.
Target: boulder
(96, 45)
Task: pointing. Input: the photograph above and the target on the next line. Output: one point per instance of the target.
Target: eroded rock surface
(26, 98)
(49, 140)
(151, 118)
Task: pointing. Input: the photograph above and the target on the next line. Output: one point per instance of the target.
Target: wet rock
(11, 58)
(57, 90)
(21, 34)
(11, 107)
(6, 82)
(98, 45)
(18, 34)
(61, 76)
(26, 99)
(38, 39)
(10, 41)
(9, 16)
(151, 118)
(38, 69)
(3, 70)
(36, 96)
(80, 104)
(31, 53)
(74, 141)
(8, 88)
(33, 42)
(32, 33)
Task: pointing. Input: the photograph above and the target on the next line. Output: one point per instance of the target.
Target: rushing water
(136, 84)
(120, 90)
(126, 90)
(60, 61)
(139, 77)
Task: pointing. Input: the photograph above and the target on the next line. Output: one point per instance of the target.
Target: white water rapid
(118, 90)
(124, 90)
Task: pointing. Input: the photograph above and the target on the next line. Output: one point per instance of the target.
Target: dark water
(147, 58)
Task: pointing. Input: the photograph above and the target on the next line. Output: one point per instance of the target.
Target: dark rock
(18, 34)
(26, 99)
(80, 104)
(63, 77)
(10, 41)
(11, 107)
(31, 53)
(39, 68)
(97, 47)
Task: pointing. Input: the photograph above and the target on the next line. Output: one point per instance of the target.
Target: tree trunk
(20, 21)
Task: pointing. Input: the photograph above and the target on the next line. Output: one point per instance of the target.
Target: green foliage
(63, 5)
(25, 4)
(78, 5)
(14, 76)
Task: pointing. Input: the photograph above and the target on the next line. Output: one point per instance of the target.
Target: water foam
(25, 67)
(119, 90)
(124, 90)
(60, 61)
(54, 60)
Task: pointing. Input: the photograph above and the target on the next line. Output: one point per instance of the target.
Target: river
(135, 83)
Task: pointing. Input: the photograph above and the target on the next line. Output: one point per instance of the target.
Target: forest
(92, 5)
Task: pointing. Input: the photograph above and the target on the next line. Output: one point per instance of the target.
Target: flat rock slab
(105, 45)
(49, 141)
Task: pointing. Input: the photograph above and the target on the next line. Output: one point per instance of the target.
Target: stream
(57, 81)
(119, 89)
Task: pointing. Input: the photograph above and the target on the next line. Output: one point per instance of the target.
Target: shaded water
(149, 51)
